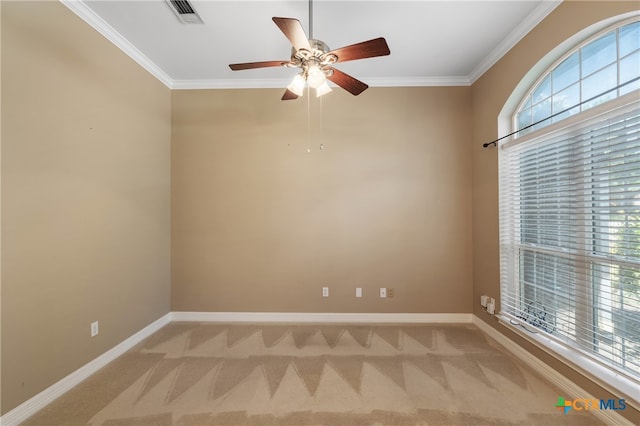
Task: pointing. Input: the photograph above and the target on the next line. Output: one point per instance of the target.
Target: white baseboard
(330, 317)
(548, 373)
(39, 401)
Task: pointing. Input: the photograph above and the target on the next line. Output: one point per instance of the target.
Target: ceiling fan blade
(366, 49)
(289, 95)
(348, 83)
(251, 65)
(292, 29)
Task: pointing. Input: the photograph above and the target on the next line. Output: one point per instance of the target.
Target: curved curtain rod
(495, 142)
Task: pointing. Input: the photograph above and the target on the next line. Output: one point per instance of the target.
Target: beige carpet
(257, 374)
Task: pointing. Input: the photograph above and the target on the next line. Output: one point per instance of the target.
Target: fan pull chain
(321, 126)
(308, 120)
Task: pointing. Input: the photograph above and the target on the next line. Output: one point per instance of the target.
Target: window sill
(609, 379)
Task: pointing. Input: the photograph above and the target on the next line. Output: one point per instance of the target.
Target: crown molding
(90, 17)
(281, 83)
(96, 22)
(530, 22)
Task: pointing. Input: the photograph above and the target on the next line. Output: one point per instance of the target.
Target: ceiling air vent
(184, 11)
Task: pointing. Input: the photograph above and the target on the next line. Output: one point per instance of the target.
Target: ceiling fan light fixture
(297, 85)
(315, 60)
(323, 89)
(315, 76)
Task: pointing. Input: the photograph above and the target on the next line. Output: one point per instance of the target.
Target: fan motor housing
(316, 46)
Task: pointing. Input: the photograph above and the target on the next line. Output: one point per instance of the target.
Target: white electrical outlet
(484, 299)
(325, 291)
(95, 329)
(491, 306)
(383, 292)
(358, 292)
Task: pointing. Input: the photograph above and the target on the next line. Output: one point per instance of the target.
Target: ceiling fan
(315, 60)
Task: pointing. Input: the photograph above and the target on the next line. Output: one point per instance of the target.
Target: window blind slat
(570, 236)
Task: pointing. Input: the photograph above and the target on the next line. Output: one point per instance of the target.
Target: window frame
(527, 97)
(609, 378)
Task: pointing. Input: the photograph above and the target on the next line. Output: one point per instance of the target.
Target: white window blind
(570, 236)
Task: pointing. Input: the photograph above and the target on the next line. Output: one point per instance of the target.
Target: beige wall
(260, 224)
(85, 196)
(488, 96)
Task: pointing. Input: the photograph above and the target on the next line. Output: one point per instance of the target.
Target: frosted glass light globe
(315, 76)
(297, 85)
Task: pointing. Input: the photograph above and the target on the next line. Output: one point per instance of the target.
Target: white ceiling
(431, 42)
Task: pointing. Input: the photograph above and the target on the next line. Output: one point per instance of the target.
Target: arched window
(570, 210)
(585, 77)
